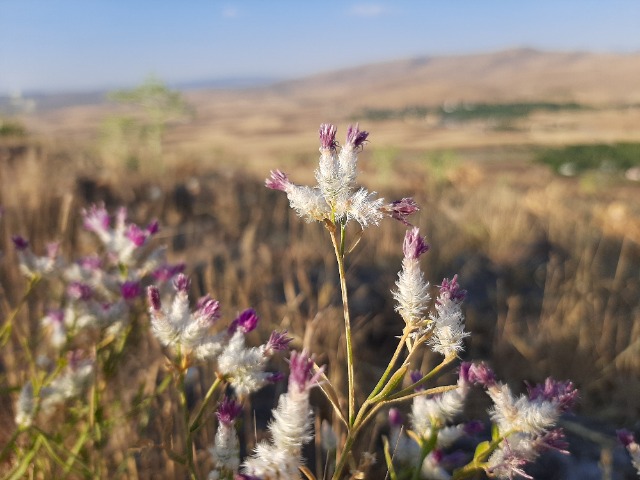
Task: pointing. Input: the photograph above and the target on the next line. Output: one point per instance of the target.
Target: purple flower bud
(328, 136)
(136, 235)
(208, 309)
(166, 272)
(416, 376)
(401, 209)
(153, 227)
(395, 417)
(52, 249)
(451, 289)
(301, 368)
(414, 245)
(92, 262)
(20, 243)
(553, 440)
(473, 427)
(278, 181)
(355, 137)
(478, 374)
(245, 322)
(96, 218)
(228, 411)
(278, 341)
(275, 377)
(121, 217)
(625, 437)
(153, 298)
(55, 316)
(181, 283)
(130, 290)
(564, 394)
(79, 291)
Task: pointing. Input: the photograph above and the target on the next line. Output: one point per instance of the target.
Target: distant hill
(517, 74)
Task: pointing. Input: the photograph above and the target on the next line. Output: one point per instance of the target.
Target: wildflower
(69, 384)
(336, 197)
(33, 266)
(25, 407)
(226, 448)
(401, 209)
(412, 295)
(121, 241)
(180, 328)
(629, 442)
(54, 320)
(448, 323)
(291, 426)
(526, 424)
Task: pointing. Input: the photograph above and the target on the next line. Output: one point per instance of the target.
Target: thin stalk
(188, 449)
(195, 425)
(392, 362)
(339, 251)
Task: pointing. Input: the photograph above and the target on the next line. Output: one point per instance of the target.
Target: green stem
(392, 362)
(339, 251)
(195, 425)
(188, 448)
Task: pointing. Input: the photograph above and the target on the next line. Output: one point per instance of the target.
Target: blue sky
(55, 45)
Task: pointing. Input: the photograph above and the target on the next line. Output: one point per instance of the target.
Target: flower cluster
(633, 447)
(189, 333)
(445, 327)
(290, 428)
(433, 430)
(526, 423)
(99, 296)
(226, 449)
(336, 198)
(70, 383)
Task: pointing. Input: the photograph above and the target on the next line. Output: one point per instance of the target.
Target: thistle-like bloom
(33, 266)
(527, 424)
(629, 442)
(432, 414)
(226, 449)
(336, 197)
(290, 428)
(448, 322)
(124, 238)
(179, 326)
(412, 295)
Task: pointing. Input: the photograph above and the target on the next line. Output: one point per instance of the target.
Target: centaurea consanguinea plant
(335, 201)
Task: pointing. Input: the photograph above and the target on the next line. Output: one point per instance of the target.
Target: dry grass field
(551, 263)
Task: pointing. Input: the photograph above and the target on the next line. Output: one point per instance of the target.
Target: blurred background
(515, 125)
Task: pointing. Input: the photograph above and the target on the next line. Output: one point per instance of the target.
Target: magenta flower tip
(56, 316)
(451, 289)
(395, 417)
(625, 437)
(153, 227)
(562, 393)
(228, 410)
(208, 308)
(477, 374)
(79, 291)
(91, 262)
(166, 272)
(136, 235)
(130, 290)
(278, 181)
(355, 136)
(96, 218)
(328, 136)
(416, 376)
(278, 341)
(245, 322)
(414, 245)
(301, 368)
(20, 243)
(153, 298)
(181, 283)
(275, 377)
(401, 209)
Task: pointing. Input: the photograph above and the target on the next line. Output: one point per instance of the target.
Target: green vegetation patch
(577, 159)
(465, 112)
